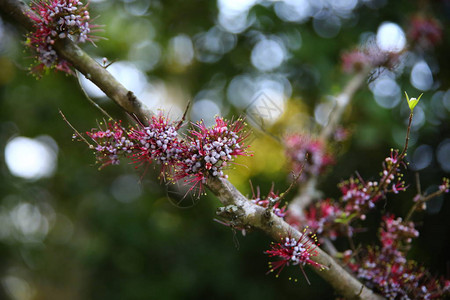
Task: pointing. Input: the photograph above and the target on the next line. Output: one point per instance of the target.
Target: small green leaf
(412, 102)
(345, 219)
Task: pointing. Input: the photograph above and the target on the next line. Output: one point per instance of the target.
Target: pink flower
(321, 218)
(211, 150)
(445, 186)
(309, 153)
(57, 19)
(159, 142)
(426, 32)
(368, 56)
(391, 176)
(205, 151)
(395, 233)
(354, 61)
(394, 277)
(112, 143)
(294, 252)
(387, 271)
(358, 195)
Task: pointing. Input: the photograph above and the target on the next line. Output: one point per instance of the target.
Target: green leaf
(345, 219)
(413, 101)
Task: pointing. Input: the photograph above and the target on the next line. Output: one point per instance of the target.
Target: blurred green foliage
(114, 234)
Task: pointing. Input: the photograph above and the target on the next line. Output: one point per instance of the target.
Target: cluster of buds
(399, 279)
(210, 150)
(445, 186)
(205, 151)
(57, 19)
(294, 252)
(368, 56)
(112, 143)
(321, 218)
(425, 32)
(396, 234)
(391, 177)
(158, 142)
(359, 196)
(307, 154)
(334, 218)
(387, 270)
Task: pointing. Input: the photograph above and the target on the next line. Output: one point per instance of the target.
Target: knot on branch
(132, 99)
(233, 215)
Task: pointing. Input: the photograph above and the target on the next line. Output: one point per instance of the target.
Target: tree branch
(93, 71)
(308, 190)
(247, 213)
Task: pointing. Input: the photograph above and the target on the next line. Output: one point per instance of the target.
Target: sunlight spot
(390, 37)
(31, 158)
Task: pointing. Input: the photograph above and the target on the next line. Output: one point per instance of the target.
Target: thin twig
(419, 188)
(381, 186)
(293, 183)
(308, 190)
(76, 131)
(183, 118)
(90, 99)
(422, 200)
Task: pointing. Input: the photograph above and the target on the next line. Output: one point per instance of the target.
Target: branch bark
(247, 213)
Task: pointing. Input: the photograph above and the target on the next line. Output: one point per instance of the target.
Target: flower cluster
(395, 233)
(332, 218)
(445, 185)
(308, 153)
(399, 280)
(112, 143)
(57, 19)
(370, 55)
(158, 142)
(204, 152)
(209, 150)
(391, 176)
(386, 269)
(321, 218)
(354, 61)
(294, 252)
(271, 200)
(359, 196)
(425, 32)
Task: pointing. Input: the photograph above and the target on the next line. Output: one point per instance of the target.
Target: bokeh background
(69, 231)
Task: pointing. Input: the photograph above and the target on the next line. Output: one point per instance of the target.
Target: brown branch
(20, 12)
(245, 211)
(422, 199)
(248, 214)
(342, 101)
(102, 78)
